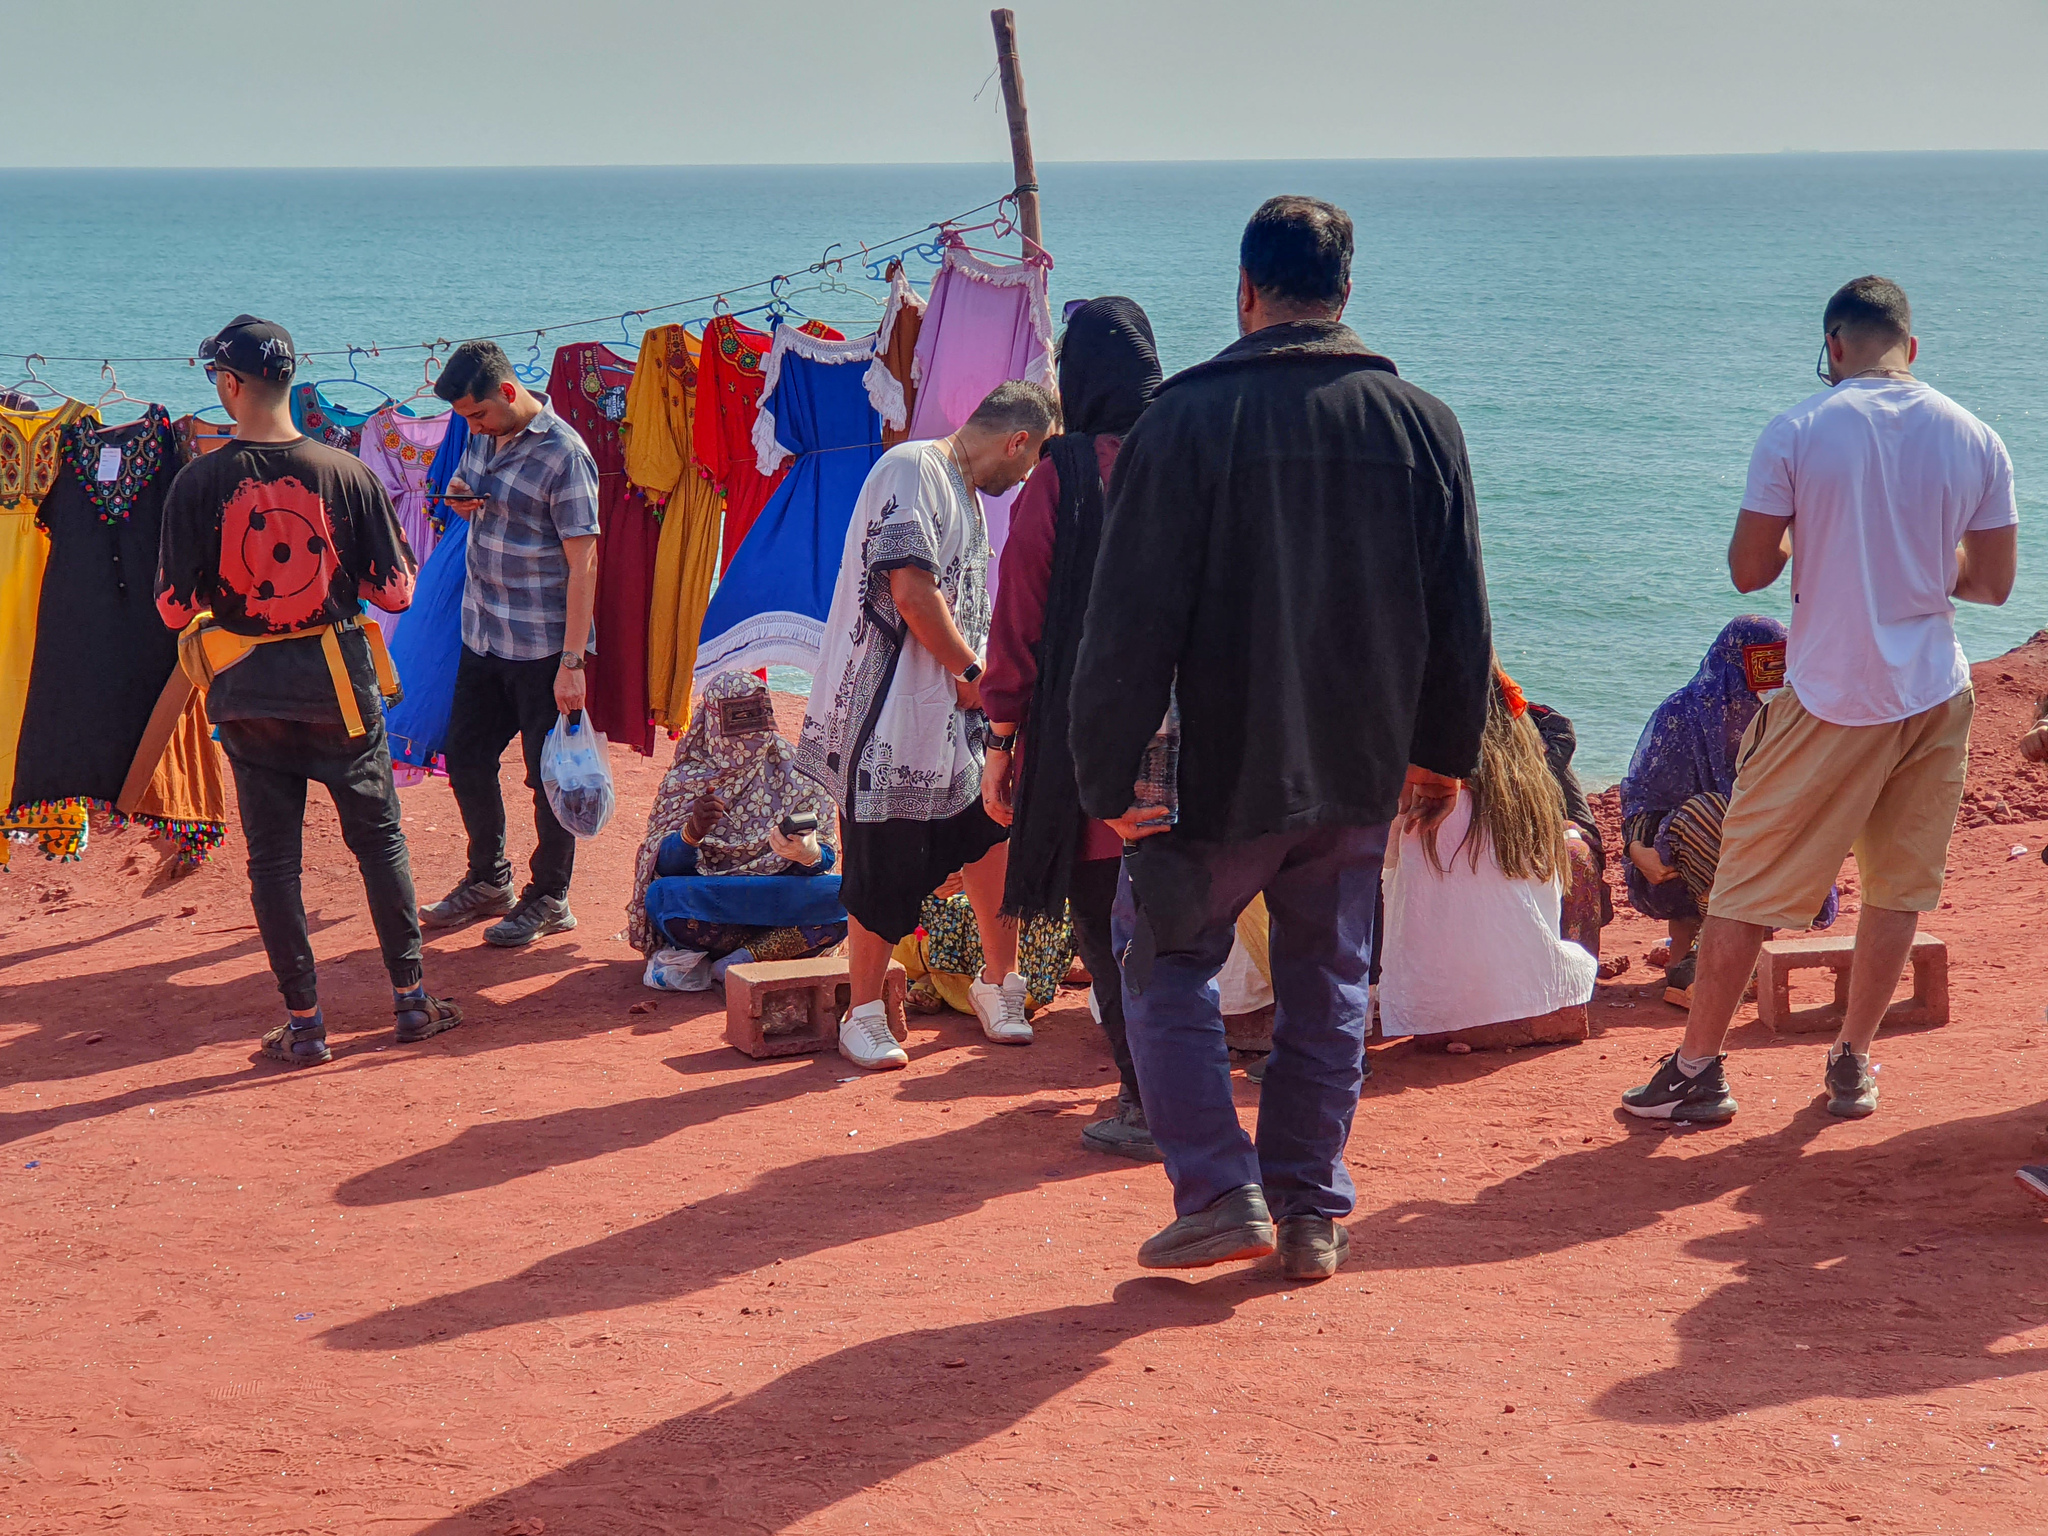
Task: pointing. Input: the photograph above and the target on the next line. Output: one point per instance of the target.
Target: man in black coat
(1291, 555)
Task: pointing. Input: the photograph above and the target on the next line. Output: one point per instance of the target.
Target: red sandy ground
(580, 1268)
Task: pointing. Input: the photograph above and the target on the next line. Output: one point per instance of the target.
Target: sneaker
(1236, 1227)
(1678, 980)
(1124, 1134)
(1311, 1247)
(421, 1016)
(1001, 1009)
(1256, 1070)
(1851, 1085)
(2034, 1180)
(466, 903)
(533, 918)
(1671, 1095)
(864, 1039)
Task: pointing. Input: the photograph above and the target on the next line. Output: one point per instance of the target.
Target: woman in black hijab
(1108, 371)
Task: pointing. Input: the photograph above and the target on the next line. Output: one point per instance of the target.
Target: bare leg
(984, 881)
(1728, 952)
(1884, 942)
(867, 962)
(1683, 931)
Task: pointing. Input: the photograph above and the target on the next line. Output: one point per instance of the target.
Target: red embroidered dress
(588, 390)
(729, 383)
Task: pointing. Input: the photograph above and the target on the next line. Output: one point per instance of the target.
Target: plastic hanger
(429, 369)
(357, 379)
(630, 347)
(114, 394)
(533, 370)
(33, 383)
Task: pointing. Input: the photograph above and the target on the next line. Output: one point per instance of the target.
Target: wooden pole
(1005, 23)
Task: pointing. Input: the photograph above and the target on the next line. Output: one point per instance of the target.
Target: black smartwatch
(995, 743)
(972, 674)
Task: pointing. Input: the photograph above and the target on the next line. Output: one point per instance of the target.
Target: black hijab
(1108, 373)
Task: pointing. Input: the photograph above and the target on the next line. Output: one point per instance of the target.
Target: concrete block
(790, 1007)
(1926, 1008)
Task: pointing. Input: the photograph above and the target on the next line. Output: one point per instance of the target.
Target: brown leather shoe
(1236, 1227)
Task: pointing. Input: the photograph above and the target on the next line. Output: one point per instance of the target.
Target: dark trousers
(274, 761)
(496, 700)
(1319, 886)
(1091, 892)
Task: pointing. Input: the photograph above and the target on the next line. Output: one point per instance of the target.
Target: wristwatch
(972, 674)
(995, 743)
(573, 663)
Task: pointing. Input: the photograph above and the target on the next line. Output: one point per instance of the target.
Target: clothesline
(826, 263)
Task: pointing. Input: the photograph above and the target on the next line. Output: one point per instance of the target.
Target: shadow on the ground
(850, 1422)
(1822, 1264)
(850, 1197)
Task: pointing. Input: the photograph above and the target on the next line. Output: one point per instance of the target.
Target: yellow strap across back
(205, 650)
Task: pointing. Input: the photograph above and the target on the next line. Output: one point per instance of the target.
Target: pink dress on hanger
(985, 323)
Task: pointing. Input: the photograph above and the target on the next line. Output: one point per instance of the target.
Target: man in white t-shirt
(1892, 503)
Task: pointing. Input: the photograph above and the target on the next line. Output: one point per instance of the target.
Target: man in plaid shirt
(528, 487)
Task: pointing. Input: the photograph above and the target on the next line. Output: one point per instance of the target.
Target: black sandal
(297, 1047)
(432, 1017)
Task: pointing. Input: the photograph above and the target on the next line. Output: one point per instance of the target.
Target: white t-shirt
(1882, 478)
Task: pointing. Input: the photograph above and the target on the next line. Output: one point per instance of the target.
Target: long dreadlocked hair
(1517, 807)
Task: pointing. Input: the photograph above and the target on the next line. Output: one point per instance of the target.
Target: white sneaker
(1001, 1009)
(864, 1039)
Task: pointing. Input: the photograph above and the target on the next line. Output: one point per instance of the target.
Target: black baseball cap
(255, 348)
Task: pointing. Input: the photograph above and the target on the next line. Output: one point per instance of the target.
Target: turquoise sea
(1613, 333)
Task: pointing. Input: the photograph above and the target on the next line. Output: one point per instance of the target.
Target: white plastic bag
(678, 970)
(576, 772)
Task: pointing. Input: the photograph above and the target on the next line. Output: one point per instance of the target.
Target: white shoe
(1001, 1009)
(864, 1039)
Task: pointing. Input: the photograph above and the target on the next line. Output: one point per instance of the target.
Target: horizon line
(910, 165)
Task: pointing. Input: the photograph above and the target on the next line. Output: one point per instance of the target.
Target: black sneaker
(1678, 980)
(466, 903)
(2034, 1180)
(1852, 1086)
(1671, 1095)
(1236, 1227)
(534, 917)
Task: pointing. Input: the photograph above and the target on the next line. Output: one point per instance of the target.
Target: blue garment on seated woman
(796, 898)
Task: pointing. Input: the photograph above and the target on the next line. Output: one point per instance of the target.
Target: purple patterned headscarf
(1690, 745)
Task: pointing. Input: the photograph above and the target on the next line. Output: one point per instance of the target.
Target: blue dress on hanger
(771, 604)
(428, 644)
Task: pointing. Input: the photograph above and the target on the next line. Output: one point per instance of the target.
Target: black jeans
(1091, 892)
(274, 761)
(496, 700)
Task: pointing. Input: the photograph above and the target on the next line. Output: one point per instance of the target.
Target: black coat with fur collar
(1292, 533)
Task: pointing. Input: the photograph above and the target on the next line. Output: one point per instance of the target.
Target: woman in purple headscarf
(1677, 787)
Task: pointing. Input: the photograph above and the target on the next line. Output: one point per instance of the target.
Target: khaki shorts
(1808, 793)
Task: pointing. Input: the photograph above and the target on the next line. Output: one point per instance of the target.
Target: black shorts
(891, 866)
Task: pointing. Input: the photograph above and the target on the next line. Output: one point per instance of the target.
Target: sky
(680, 82)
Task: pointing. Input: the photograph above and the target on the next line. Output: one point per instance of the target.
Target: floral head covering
(1691, 743)
(753, 770)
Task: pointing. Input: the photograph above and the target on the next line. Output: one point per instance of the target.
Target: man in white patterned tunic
(895, 731)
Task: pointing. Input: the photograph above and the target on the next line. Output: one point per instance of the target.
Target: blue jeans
(1319, 886)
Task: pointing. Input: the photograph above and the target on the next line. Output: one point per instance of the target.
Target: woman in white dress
(1473, 955)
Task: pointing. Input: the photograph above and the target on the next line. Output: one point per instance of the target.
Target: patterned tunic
(883, 733)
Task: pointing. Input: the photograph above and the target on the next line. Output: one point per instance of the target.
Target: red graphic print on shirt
(277, 551)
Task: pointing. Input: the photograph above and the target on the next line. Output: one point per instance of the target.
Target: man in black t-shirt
(279, 539)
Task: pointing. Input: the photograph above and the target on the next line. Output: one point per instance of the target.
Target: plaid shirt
(542, 489)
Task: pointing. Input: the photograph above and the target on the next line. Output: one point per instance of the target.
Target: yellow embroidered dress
(661, 404)
(29, 458)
